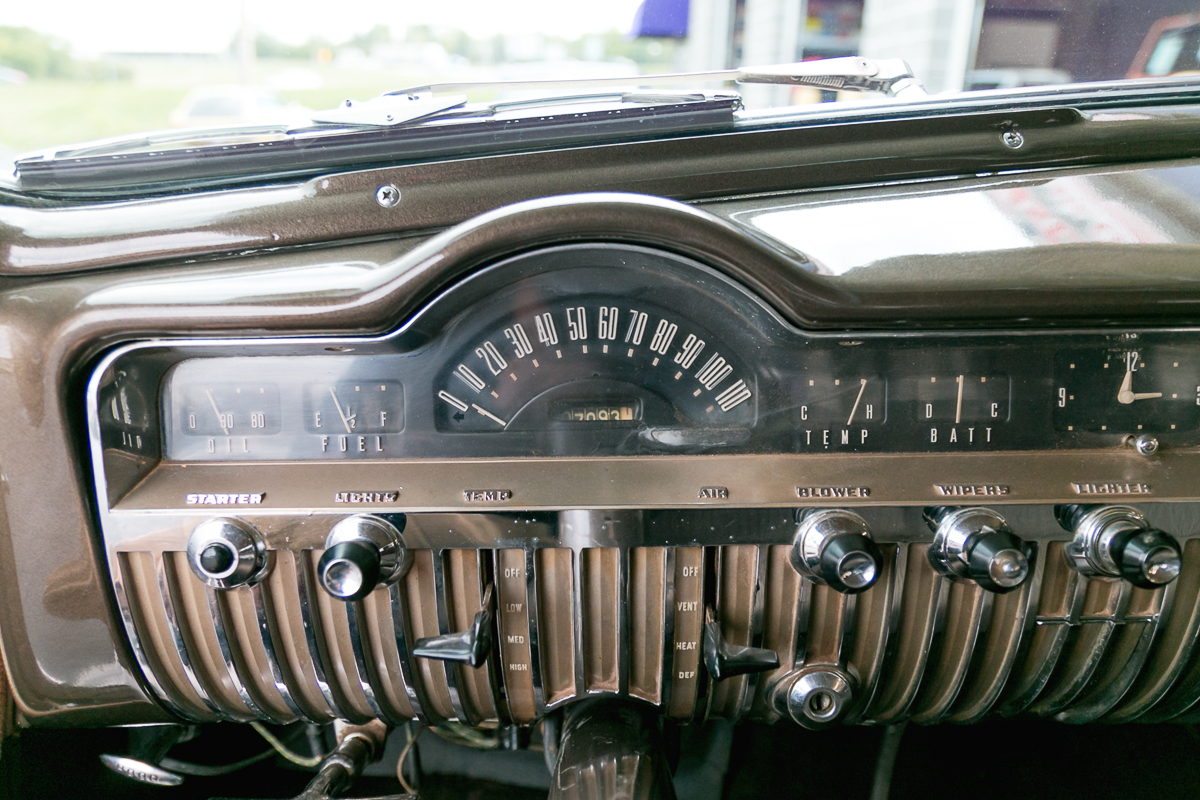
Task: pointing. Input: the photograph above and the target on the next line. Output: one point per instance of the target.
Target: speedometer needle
(346, 420)
(489, 415)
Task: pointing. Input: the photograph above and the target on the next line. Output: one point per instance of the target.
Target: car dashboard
(697, 429)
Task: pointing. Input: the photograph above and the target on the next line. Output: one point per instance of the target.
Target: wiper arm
(890, 76)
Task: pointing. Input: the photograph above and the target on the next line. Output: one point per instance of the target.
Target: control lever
(471, 647)
(724, 660)
(358, 746)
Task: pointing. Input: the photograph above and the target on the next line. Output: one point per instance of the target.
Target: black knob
(834, 547)
(217, 558)
(1148, 559)
(997, 561)
(977, 544)
(226, 552)
(350, 570)
(361, 552)
(1118, 542)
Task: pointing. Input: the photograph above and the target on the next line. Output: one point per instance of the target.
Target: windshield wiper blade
(422, 123)
(890, 76)
(150, 165)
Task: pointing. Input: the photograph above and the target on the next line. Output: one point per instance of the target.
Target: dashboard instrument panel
(599, 351)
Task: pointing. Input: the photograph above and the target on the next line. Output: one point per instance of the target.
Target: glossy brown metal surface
(65, 237)
(61, 637)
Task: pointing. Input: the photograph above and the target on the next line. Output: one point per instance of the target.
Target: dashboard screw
(1144, 445)
(387, 195)
(1012, 139)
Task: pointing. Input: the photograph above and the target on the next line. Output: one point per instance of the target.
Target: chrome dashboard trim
(275, 660)
(314, 637)
(219, 610)
(165, 588)
(415, 693)
(147, 672)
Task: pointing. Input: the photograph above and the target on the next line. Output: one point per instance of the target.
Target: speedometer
(597, 362)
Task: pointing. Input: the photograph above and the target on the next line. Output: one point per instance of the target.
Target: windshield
(75, 71)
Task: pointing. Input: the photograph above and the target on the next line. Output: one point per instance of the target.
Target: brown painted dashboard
(617, 541)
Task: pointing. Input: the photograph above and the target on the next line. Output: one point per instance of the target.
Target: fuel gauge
(354, 407)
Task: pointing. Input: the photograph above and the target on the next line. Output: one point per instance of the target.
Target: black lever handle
(724, 660)
(470, 647)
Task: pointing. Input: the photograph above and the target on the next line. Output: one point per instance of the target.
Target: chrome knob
(815, 697)
(226, 553)
(834, 547)
(1118, 542)
(977, 544)
(362, 552)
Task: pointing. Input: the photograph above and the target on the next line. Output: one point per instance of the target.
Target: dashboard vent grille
(628, 621)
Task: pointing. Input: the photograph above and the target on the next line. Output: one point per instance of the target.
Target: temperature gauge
(840, 412)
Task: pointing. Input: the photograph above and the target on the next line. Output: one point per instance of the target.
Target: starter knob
(977, 544)
(834, 547)
(362, 552)
(1118, 542)
(226, 552)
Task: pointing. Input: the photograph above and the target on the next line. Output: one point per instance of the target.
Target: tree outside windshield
(75, 71)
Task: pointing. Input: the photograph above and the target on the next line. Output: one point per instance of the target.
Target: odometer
(615, 412)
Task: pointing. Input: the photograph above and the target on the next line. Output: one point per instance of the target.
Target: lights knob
(225, 553)
(977, 544)
(834, 547)
(362, 552)
(1118, 542)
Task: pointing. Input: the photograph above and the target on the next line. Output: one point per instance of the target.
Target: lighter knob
(1118, 542)
(362, 552)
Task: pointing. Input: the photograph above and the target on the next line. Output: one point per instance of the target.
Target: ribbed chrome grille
(627, 621)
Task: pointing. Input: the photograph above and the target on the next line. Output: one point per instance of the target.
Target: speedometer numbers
(593, 363)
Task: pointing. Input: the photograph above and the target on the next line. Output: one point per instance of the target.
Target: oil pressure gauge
(1127, 390)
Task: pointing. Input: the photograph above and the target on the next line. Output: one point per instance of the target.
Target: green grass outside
(51, 112)
(44, 113)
